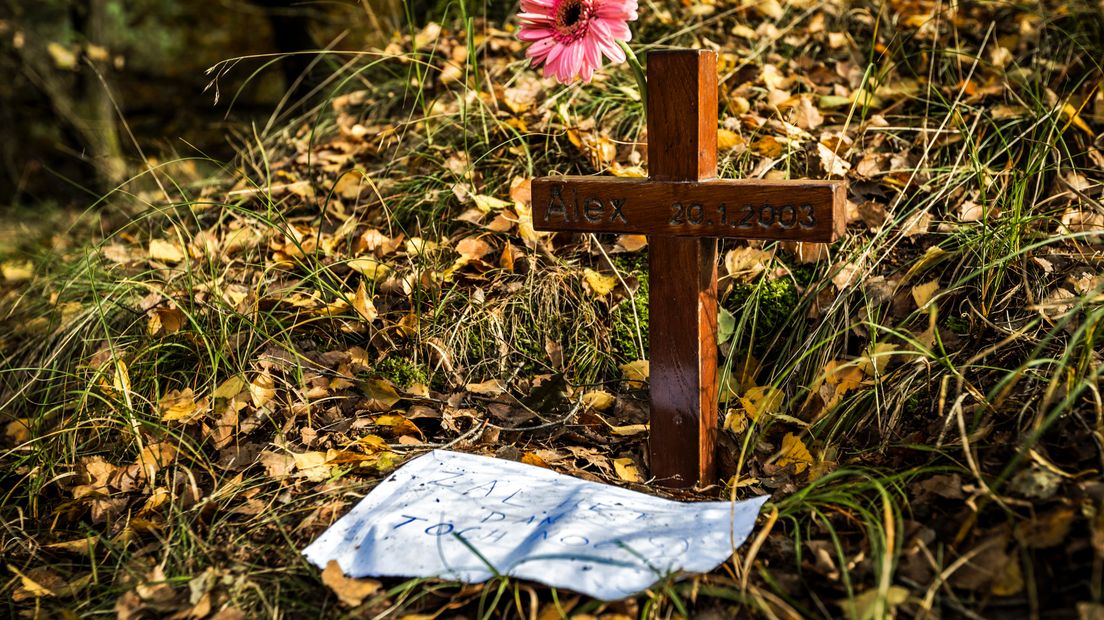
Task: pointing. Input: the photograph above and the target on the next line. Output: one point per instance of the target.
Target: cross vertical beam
(682, 146)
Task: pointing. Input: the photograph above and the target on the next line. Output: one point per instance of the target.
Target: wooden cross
(684, 209)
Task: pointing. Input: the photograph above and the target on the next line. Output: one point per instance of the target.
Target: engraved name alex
(569, 206)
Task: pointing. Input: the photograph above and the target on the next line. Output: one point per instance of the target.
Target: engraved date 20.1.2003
(747, 216)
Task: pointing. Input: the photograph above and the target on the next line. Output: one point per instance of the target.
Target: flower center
(572, 20)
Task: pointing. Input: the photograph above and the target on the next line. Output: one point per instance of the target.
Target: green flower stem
(638, 73)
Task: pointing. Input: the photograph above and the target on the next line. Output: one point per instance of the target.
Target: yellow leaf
(164, 321)
(492, 387)
(312, 465)
(923, 293)
(598, 400)
(599, 284)
(63, 57)
(417, 246)
(230, 388)
(155, 457)
(530, 458)
(636, 373)
(794, 452)
(1074, 116)
(14, 271)
(865, 606)
(18, 431)
(728, 139)
(262, 390)
(629, 430)
(626, 470)
(844, 376)
(877, 358)
(381, 394)
(735, 421)
(761, 401)
(362, 303)
(34, 588)
(121, 380)
(486, 204)
(165, 251)
(369, 268)
(397, 423)
(181, 406)
(1008, 580)
(629, 172)
(351, 592)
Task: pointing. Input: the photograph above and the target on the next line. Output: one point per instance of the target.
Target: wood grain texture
(746, 209)
(682, 146)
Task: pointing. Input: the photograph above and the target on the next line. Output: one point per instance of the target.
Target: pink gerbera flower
(571, 36)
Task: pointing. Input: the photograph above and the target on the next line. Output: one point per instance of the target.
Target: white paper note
(449, 515)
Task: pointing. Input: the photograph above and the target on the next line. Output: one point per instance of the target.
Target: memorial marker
(683, 209)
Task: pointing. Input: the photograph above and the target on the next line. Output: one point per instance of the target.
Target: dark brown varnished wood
(744, 209)
(682, 146)
(683, 209)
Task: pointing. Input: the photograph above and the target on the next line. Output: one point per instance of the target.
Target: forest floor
(207, 370)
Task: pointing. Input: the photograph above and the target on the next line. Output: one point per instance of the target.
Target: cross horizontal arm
(745, 209)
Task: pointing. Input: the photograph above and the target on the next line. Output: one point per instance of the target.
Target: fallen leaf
(807, 116)
(629, 430)
(262, 390)
(487, 204)
(745, 263)
(530, 458)
(351, 592)
(165, 321)
(865, 606)
(599, 284)
(17, 271)
(363, 305)
(312, 465)
(230, 388)
(1047, 530)
(18, 432)
(632, 243)
(635, 374)
(492, 387)
(1009, 580)
(398, 424)
(627, 470)
(277, 464)
(598, 400)
(165, 251)
(831, 162)
(380, 394)
(156, 456)
(727, 139)
(31, 586)
(181, 406)
(794, 452)
(473, 248)
(761, 401)
(369, 268)
(923, 293)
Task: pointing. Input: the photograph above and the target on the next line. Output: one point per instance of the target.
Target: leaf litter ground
(240, 352)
